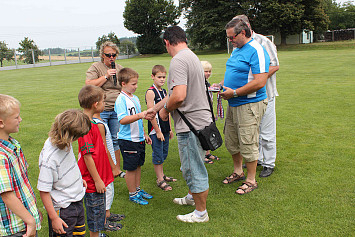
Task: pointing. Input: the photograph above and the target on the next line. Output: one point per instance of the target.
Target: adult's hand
(150, 114)
(227, 93)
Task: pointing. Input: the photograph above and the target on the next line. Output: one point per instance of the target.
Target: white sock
(200, 213)
(189, 196)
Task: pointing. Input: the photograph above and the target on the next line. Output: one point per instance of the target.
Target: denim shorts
(192, 162)
(95, 204)
(133, 154)
(20, 234)
(74, 217)
(110, 118)
(160, 149)
(110, 192)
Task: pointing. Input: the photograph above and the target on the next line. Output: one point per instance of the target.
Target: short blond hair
(107, 44)
(206, 65)
(68, 127)
(8, 104)
(89, 95)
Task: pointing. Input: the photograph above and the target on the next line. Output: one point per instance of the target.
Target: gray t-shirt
(186, 69)
(59, 175)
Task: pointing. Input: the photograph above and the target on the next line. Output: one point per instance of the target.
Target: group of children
(63, 182)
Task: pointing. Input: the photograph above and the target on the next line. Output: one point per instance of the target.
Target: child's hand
(100, 186)
(85, 185)
(142, 115)
(57, 225)
(115, 172)
(147, 139)
(160, 136)
(171, 135)
(31, 229)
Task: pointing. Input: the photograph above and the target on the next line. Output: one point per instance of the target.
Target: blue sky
(64, 23)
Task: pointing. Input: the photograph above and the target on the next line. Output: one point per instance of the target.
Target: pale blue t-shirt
(125, 106)
(250, 59)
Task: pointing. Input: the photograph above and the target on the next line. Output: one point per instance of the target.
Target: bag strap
(209, 100)
(187, 121)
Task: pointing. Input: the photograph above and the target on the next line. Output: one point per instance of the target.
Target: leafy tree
(5, 52)
(110, 37)
(342, 16)
(127, 45)
(26, 47)
(148, 19)
(206, 20)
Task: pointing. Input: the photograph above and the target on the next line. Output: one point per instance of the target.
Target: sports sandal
(234, 178)
(112, 226)
(249, 187)
(208, 161)
(122, 174)
(169, 179)
(115, 217)
(212, 157)
(164, 186)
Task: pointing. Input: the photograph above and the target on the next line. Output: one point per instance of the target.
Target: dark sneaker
(145, 195)
(266, 172)
(138, 199)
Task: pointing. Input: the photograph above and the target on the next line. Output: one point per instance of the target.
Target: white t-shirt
(59, 175)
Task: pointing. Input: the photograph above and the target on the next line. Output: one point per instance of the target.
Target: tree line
(206, 20)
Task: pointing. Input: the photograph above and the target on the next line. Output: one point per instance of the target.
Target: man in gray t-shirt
(187, 92)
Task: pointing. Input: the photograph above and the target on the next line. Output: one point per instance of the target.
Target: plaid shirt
(14, 178)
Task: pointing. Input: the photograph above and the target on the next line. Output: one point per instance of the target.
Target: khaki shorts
(241, 129)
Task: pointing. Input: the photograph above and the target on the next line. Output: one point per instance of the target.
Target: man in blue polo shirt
(244, 88)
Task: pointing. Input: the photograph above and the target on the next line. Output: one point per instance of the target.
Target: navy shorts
(74, 217)
(133, 154)
(95, 204)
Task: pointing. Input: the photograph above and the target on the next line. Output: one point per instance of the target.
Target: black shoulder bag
(209, 136)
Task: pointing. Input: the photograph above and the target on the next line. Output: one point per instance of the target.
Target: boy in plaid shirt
(18, 205)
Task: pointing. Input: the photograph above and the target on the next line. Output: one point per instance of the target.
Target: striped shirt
(59, 175)
(270, 47)
(126, 106)
(109, 143)
(14, 178)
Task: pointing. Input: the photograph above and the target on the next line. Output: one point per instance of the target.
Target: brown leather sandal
(163, 185)
(234, 178)
(249, 187)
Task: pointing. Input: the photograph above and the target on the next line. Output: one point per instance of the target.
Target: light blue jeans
(110, 118)
(192, 162)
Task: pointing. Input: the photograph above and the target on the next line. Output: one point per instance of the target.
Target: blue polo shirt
(250, 59)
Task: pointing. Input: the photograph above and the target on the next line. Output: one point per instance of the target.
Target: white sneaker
(192, 218)
(184, 201)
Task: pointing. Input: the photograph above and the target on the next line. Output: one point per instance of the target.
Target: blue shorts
(192, 162)
(133, 154)
(160, 149)
(95, 204)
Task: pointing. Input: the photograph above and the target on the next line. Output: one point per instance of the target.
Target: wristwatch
(106, 77)
(235, 93)
(169, 111)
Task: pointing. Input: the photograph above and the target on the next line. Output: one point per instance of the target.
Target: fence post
(33, 57)
(127, 51)
(65, 56)
(15, 56)
(49, 53)
(92, 54)
(79, 55)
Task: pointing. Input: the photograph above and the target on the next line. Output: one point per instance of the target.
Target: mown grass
(311, 192)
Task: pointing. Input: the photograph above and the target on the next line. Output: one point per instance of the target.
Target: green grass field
(311, 192)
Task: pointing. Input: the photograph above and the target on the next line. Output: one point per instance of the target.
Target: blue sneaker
(145, 194)
(138, 199)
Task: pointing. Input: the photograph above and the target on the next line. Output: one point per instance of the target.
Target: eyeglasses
(231, 38)
(109, 55)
